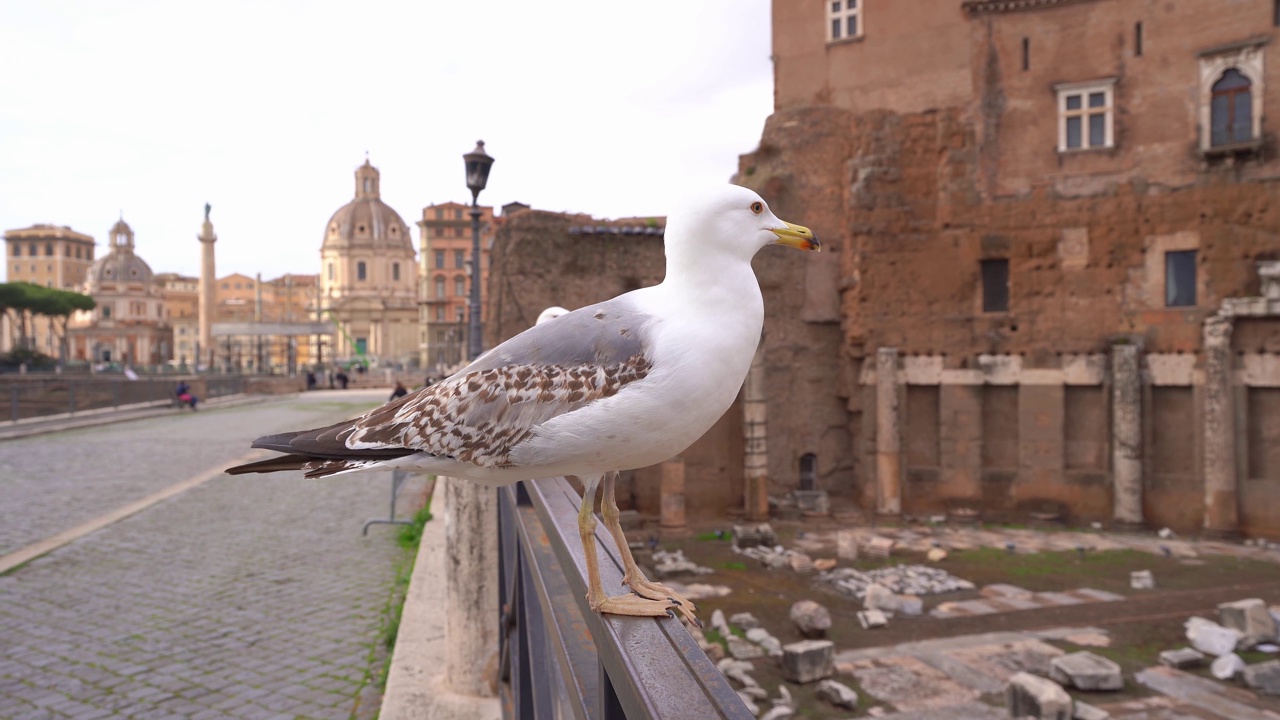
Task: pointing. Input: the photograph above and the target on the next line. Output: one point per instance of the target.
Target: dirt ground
(1141, 626)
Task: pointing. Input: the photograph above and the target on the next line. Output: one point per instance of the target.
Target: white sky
(264, 109)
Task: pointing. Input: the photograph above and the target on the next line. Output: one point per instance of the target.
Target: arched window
(808, 471)
(395, 272)
(439, 286)
(361, 270)
(1231, 111)
(460, 286)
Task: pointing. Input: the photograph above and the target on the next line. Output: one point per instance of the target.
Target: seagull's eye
(757, 207)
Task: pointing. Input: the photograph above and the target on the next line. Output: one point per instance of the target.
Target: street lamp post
(478, 163)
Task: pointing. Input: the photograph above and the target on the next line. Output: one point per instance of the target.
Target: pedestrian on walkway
(185, 396)
(399, 392)
(342, 379)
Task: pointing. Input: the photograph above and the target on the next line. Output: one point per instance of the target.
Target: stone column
(1126, 437)
(755, 431)
(1221, 513)
(672, 521)
(208, 277)
(888, 434)
(471, 587)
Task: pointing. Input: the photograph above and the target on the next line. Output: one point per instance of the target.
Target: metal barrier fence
(562, 660)
(33, 398)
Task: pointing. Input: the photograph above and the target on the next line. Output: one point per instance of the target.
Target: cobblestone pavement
(245, 597)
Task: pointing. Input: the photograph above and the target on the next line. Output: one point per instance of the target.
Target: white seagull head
(731, 221)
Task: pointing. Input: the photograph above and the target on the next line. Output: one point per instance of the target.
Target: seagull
(622, 384)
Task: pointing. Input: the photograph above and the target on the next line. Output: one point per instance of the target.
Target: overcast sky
(264, 109)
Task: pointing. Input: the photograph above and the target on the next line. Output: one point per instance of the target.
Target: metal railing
(562, 660)
(43, 397)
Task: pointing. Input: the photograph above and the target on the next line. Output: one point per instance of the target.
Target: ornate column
(1126, 436)
(755, 431)
(888, 434)
(1221, 511)
(208, 277)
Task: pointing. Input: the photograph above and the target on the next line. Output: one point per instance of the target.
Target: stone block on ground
(801, 563)
(879, 547)
(846, 545)
(824, 564)
(784, 698)
(811, 618)
(1263, 677)
(778, 712)
(1227, 666)
(910, 605)
(837, 694)
(1086, 671)
(880, 598)
(1251, 618)
(1182, 658)
(813, 501)
(737, 671)
(743, 649)
(744, 620)
(1211, 638)
(746, 536)
(1000, 591)
(871, 619)
(1031, 696)
(808, 660)
(1085, 711)
(936, 554)
(719, 624)
(1142, 580)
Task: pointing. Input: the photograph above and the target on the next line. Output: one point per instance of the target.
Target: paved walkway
(244, 597)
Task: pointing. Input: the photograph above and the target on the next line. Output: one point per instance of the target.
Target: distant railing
(45, 396)
(562, 660)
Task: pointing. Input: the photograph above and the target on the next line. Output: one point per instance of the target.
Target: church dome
(120, 264)
(367, 220)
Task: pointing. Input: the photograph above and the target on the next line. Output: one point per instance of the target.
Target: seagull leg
(621, 604)
(633, 577)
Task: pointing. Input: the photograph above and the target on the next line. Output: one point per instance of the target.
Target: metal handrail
(560, 658)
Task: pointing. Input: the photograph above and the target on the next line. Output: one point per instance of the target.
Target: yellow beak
(797, 236)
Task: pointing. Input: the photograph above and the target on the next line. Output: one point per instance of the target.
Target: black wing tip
(275, 464)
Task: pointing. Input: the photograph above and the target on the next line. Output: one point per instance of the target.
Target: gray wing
(483, 411)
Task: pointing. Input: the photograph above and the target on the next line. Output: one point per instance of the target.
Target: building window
(1026, 54)
(457, 214)
(17, 250)
(460, 259)
(808, 471)
(439, 259)
(1137, 39)
(106, 311)
(1180, 278)
(439, 213)
(77, 252)
(330, 271)
(995, 285)
(395, 272)
(844, 20)
(48, 249)
(361, 270)
(460, 286)
(1231, 109)
(1085, 115)
(439, 287)
(439, 313)
(31, 250)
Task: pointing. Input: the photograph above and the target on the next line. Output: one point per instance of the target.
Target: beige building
(369, 278)
(53, 256)
(445, 280)
(181, 297)
(128, 325)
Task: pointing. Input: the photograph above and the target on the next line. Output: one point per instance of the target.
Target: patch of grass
(719, 535)
(734, 566)
(410, 534)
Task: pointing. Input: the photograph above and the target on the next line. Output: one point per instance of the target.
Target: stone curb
(415, 683)
(140, 411)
